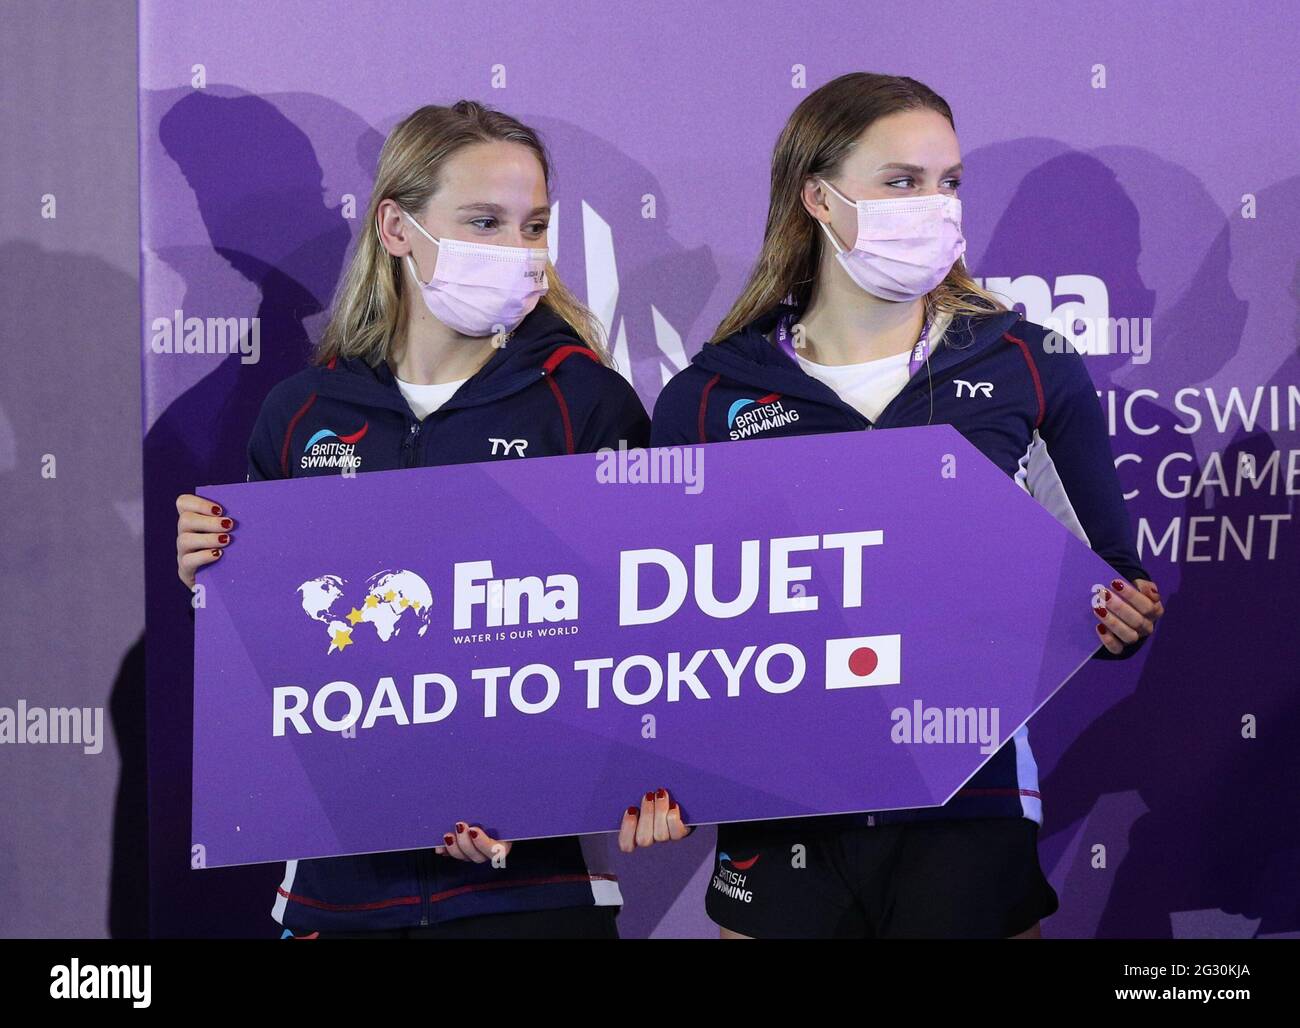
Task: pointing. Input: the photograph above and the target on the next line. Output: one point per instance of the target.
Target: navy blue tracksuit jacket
(1032, 411)
(545, 387)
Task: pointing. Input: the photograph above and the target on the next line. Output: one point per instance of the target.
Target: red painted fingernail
(473, 834)
(649, 796)
(448, 839)
(460, 826)
(660, 794)
(1117, 585)
(1107, 592)
(631, 810)
(216, 553)
(1101, 629)
(223, 539)
(216, 510)
(226, 523)
(1099, 611)
(673, 805)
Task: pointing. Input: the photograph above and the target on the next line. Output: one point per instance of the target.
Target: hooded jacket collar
(749, 357)
(511, 368)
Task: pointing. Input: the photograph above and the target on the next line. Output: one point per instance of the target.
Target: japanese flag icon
(862, 661)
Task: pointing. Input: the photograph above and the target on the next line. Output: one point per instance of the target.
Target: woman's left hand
(1126, 612)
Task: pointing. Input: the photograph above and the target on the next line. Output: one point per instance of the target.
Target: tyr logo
(506, 446)
(973, 388)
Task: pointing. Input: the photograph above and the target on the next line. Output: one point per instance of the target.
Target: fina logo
(397, 599)
(511, 601)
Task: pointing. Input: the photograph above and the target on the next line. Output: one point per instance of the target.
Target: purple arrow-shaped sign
(529, 644)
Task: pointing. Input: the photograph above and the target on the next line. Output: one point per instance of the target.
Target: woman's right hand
(473, 844)
(658, 819)
(202, 532)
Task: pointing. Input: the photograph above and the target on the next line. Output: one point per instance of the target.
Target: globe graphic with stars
(391, 601)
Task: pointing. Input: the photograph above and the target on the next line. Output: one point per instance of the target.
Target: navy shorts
(811, 878)
(561, 923)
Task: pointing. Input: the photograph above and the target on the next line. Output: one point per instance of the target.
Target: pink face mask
(481, 289)
(905, 246)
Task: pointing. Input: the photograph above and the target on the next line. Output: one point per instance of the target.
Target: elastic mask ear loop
(839, 248)
(831, 236)
(929, 379)
(851, 203)
(419, 228)
(410, 259)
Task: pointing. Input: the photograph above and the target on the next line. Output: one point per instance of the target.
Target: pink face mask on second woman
(905, 246)
(481, 289)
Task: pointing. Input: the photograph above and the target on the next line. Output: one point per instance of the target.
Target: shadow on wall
(1214, 837)
(128, 896)
(617, 251)
(1203, 830)
(258, 189)
(71, 554)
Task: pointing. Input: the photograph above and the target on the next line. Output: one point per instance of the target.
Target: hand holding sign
(1127, 613)
(657, 819)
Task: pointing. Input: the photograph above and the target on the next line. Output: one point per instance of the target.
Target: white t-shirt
(425, 399)
(867, 388)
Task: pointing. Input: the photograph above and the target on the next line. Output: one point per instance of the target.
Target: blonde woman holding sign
(450, 333)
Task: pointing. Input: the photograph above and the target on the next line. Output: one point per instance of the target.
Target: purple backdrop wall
(1122, 162)
(72, 823)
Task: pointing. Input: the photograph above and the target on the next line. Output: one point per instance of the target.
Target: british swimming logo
(328, 449)
(748, 417)
(732, 881)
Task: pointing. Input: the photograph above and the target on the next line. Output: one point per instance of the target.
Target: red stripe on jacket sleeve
(1033, 373)
(561, 354)
(558, 356)
(704, 404)
(288, 434)
(564, 414)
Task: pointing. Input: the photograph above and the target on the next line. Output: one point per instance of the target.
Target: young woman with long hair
(450, 328)
(860, 314)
